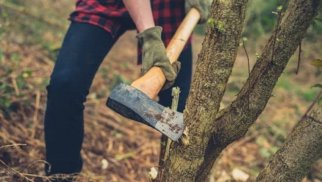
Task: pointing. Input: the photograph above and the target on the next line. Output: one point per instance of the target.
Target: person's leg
(83, 50)
(183, 81)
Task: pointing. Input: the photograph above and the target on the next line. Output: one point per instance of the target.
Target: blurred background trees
(30, 36)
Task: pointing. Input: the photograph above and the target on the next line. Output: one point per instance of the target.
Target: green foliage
(259, 17)
(1, 56)
(266, 149)
(16, 2)
(21, 24)
(9, 84)
(316, 28)
(308, 95)
(5, 92)
(317, 63)
(279, 8)
(29, 27)
(15, 57)
(285, 84)
(277, 132)
(4, 21)
(14, 84)
(317, 85)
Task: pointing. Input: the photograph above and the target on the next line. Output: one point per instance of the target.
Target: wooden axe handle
(153, 80)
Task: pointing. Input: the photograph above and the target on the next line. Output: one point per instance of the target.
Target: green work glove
(201, 5)
(154, 54)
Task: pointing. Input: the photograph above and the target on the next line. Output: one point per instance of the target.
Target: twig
(174, 106)
(15, 85)
(37, 103)
(13, 145)
(166, 143)
(312, 105)
(30, 177)
(38, 161)
(279, 13)
(248, 62)
(299, 58)
(248, 66)
(175, 98)
(13, 171)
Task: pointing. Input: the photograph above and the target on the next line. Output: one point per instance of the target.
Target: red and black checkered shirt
(112, 15)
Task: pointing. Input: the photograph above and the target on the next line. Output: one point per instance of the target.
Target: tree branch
(215, 62)
(233, 122)
(266, 72)
(301, 148)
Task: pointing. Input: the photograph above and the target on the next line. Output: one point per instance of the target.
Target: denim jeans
(83, 50)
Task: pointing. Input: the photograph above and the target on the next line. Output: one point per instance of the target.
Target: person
(95, 27)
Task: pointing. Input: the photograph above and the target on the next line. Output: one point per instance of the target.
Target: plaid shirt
(112, 15)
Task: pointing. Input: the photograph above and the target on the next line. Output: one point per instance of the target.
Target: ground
(117, 149)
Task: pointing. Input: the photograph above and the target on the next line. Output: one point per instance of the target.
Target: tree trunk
(233, 122)
(213, 69)
(210, 131)
(301, 148)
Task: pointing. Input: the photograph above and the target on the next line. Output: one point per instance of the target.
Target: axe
(136, 101)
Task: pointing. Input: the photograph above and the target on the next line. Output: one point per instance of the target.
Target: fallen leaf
(153, 173)
(104, 163)
(239, 175)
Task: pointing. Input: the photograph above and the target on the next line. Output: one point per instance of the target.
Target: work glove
(154, 54)
(201, 5)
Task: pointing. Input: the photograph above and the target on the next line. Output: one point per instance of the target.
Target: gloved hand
(201, 5)
(154, 54)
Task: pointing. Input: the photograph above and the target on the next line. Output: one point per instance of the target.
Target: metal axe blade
(135, 101)
(134, 104)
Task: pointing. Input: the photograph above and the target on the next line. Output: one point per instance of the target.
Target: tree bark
(301, 148)
(233, 122)
(213, 69)
(210, 131)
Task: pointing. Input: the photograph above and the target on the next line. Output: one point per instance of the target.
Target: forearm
(141, 13)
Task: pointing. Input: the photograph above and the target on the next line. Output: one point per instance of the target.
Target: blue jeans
(82, 52)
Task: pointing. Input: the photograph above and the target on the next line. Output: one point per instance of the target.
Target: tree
(209, 130)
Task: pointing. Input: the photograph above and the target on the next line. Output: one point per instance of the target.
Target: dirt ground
(116, 149)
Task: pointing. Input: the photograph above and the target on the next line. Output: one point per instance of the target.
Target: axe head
(134, 104)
